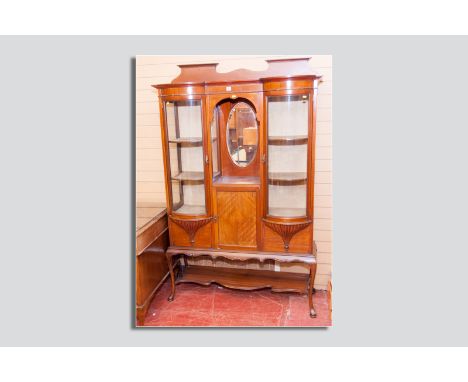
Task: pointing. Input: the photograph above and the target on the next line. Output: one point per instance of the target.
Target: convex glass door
(185, 138)
(288, 139)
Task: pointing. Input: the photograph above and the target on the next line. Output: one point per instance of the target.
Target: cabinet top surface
(237, 180)
(206, 74)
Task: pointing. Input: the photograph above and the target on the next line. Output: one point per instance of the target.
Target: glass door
(288, 139)
(186, 160)
(215, 155)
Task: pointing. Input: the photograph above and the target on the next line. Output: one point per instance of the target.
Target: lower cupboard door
(237, 218)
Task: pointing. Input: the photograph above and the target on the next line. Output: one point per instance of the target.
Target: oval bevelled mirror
(242, 134)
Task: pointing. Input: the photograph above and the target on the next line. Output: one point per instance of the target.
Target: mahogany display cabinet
(238, 152)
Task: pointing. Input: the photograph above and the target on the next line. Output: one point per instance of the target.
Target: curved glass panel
(185, 136)
(288, 137)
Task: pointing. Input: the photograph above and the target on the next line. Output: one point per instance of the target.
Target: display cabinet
(238, 153)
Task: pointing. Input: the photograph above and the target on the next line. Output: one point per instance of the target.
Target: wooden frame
(236, 225)
(228, 168)
(166, 154)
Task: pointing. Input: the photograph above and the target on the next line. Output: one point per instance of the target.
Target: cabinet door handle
(206, 159)
(263, 158)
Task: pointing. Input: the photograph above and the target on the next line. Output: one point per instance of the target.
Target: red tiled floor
(196, 305)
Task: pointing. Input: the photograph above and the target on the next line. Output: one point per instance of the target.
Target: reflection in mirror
(242, 134)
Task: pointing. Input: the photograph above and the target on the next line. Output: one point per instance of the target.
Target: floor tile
(208, 306)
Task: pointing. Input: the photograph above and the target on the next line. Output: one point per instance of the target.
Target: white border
(233, 364)
(189, 17)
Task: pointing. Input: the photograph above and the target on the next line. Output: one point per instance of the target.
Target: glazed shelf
(285, 140)
(196, 176)
(190, 141)
(188, 209)
(187, 141)
(287, 178)
(286, 212)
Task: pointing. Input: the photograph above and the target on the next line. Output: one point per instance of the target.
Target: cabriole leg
(313, 269)
(171, 272)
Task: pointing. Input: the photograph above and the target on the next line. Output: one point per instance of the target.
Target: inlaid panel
(237, 218)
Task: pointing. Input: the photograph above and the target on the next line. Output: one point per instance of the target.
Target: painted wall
(151, 70)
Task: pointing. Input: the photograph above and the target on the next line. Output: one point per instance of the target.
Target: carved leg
(313, 269)
(171, 272)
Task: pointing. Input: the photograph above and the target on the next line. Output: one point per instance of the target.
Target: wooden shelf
(187, 209)
(190, 141)
(287, 140)
(187, 141)
(190, 176)
(245, 279)
(237, 180)
(287, 212)
(287, 178)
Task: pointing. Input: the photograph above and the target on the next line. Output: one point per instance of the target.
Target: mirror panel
(242, 134)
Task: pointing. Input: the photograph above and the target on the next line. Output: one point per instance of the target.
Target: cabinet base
(245, 279)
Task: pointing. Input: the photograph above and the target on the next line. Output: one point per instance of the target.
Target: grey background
(400, 186)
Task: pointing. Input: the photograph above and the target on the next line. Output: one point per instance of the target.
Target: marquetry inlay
(237, 218)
